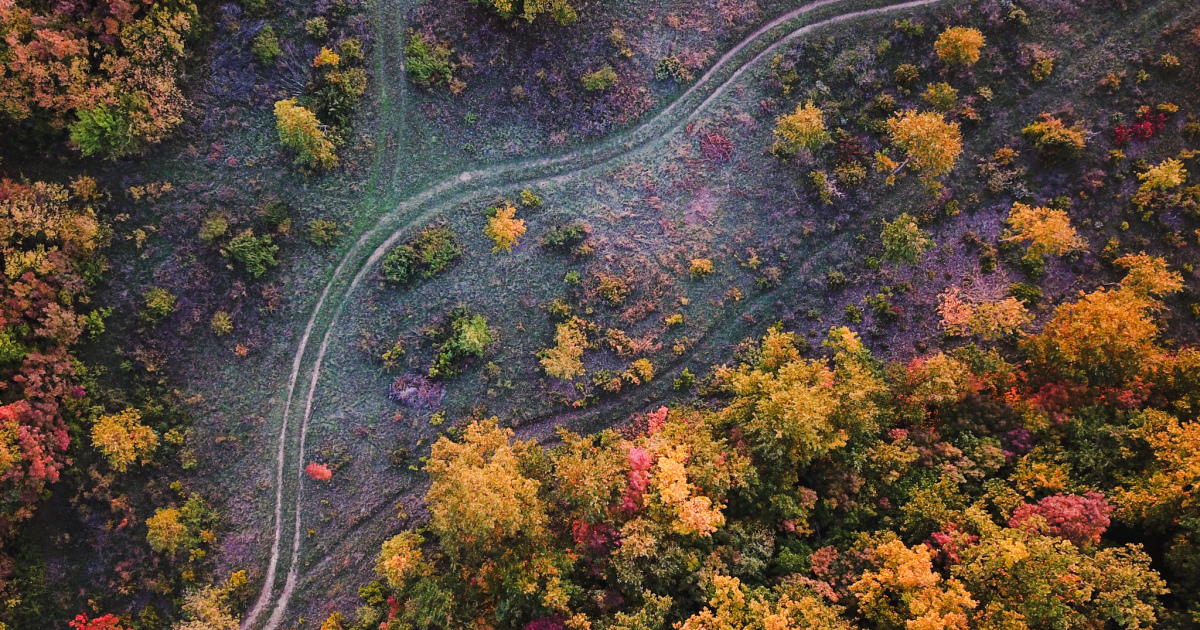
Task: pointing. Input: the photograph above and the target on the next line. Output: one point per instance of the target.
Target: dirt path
(409, 214)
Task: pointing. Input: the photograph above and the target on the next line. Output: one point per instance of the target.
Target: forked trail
(418, 209)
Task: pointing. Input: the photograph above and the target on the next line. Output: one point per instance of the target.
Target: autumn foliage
(299, 129)
(109, 70)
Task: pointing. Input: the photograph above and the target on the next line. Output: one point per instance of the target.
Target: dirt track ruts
(471, 183)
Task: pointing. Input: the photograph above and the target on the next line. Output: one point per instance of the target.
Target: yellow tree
(804, 128)
(790, 607)
(565, 359)
(959, 45)
(504, 229)
(1105, 337)
(167, 532)
(930, 145)
(1048, 231)
(123, 439)
(299, 129)
(1166, 175)
(477, 495)
(903, 591)
(1148, 275)
(400, 558)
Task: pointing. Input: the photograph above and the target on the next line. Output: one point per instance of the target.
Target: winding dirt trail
(362, 257)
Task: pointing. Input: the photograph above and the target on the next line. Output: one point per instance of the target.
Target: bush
(102, 131)
(157, 304)
(213, 227)
(903, 241)
(959, 46)
(1053, 140)
(700, 268)
(906, 73)
(221, 324)
(804, 128)
(564, 237)
(256, 254)
(462, 336)
(835, 280)
(123, 439)
(299, 129)
(266, 46)
(601, 79)
(427, 60)
(1028, 294)
(317, 28)
(323, 231)
(560, 10)
(428, 253)
(670, 67)
(941, 96)
(530, 199)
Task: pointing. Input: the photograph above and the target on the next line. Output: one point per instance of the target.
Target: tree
(1107, 337)
(123, 439)
(790, 605)
(804, 128)
(1048, 231)
(1080, 519)
(565, 359)
(503, 229)
(959, 45)
(104, 131)
(299, 129)
(1166, 175)
(478, 496)
(903, 591)
(903, 241)
(400, 558)
(942, 96)
(166, 531)
(1148, 275)
(930, 144)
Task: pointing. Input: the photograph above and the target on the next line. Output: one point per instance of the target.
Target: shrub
(941, 96)
(351, 48)
(1053, 140)
(903, 240)
(221, 324)
(462, 336)
(504, 229)
(530, 199)
(266, 46)
(318, 472)
(909, 28)
(428, 253)
(906, 73)
(700, 267)
(326, 58)
(1028, 294)
(427, 60)
(157, 304)
(123, 439)
(323, 231)
(959, 46)
(613, 289)
(317, 28)
(804, 128)
(1041, 69)
(255, 253)
(835, 280)
(564, 237)
(1164, 176)
(213, 227)
(670, 67)
(601, 79)
(299, 129)
(103, 131)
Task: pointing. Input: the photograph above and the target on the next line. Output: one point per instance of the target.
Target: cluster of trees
(108, 70)
(958, 490)
(51, 240)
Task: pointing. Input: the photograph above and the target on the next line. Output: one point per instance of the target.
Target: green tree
(255, 253)
(903, 240)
